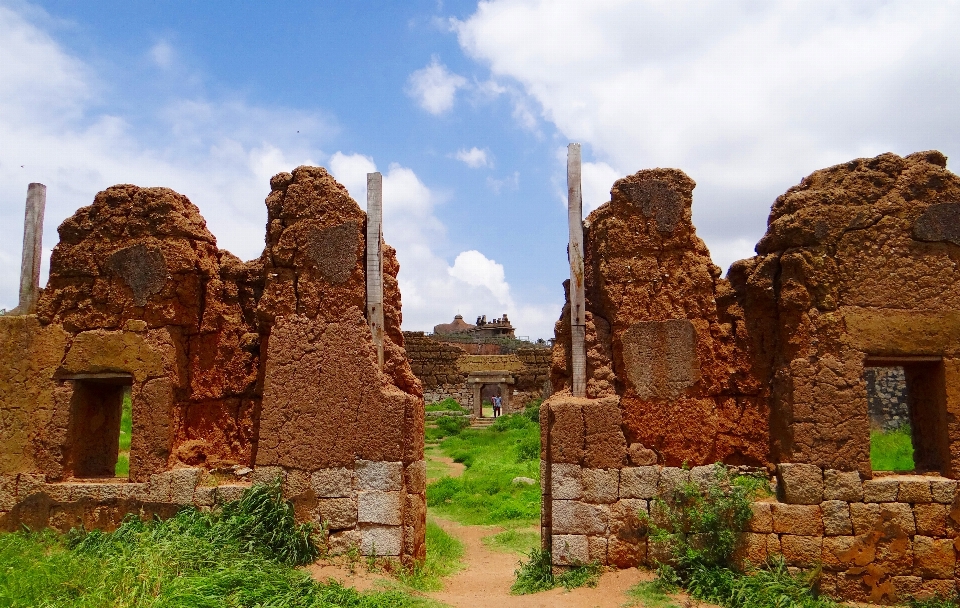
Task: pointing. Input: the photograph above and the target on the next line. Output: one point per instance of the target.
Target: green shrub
(536, 574)
(701, 529)
(528, 448)
(532, 411)
(447, 426)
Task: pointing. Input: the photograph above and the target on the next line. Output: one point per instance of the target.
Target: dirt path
(485, 581)
(455, 469)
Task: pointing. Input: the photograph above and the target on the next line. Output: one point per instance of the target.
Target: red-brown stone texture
(859, 267)
(266, 365)
(655, 334)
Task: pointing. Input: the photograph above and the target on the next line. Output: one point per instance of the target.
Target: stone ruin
(238, 372)
(445, 370)
(765, 369)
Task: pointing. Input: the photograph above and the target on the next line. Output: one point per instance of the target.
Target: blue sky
(466, 108)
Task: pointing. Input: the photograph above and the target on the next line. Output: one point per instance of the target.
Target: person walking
(497, 404)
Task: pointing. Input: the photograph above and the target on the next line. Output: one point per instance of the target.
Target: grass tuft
(242, 555)
(444, 553)
(536, 574)
(650, 594)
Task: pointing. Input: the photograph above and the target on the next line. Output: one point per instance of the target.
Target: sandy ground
(485, 581)
(455, 469)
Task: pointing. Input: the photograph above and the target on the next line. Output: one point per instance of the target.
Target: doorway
(100, 426)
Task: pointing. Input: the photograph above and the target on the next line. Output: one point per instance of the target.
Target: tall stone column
(32, 249)
(375, 261)
(575, 253)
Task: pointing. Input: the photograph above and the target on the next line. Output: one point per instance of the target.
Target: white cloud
(474, 158)
(474, 268)
(434, 87)
(219, 153)
(162, 54)
(596, 180)
(432, 289)
(746, 98)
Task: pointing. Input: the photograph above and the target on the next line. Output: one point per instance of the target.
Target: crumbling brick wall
(251, 370)
(858, 269)
(443, 369)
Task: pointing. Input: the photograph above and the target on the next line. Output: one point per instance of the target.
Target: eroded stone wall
(858, 269)
(237, 371)
(443, 369)
(881, 540)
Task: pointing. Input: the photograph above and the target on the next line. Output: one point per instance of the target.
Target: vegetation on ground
(126, 426)
(445, 426)
(700, 529)
(650, 594)
(514, 541)
(244, 554)
(892, 450)
(447, 405)
(536, 574)
(444, 554)
(951, 601)
(485, 493)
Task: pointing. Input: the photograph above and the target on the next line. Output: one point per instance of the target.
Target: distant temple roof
(482, 329)
(457, 327)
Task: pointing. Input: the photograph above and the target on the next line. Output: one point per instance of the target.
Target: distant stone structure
(887, 398)
(859, 269)
(446, 370)
(497, 328)
(237, 371)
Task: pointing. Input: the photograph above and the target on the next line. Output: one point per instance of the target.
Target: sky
(466, 108)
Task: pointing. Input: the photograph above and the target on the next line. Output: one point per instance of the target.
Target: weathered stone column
(32, 249)
(375, 260)
(575, 254)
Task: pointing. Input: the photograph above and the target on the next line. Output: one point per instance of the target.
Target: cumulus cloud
(434, 87)
(746, 98)
(474, 157)
(433, 289)
(219, 153)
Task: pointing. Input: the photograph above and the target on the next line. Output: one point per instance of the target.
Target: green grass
(892, 450)
(126, 424)
(536, 574)
(243, 555)
(650, 594)
(447, 405)
(514, 541)
(444, 553)
(485, 494)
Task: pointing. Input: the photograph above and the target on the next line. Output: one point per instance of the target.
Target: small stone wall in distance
(880, 540)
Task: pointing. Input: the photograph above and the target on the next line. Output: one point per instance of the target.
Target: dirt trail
(454, 469)
(486, 578)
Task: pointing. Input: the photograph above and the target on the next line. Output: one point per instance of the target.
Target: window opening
(96, 438)
(907, 408)
(126, 428)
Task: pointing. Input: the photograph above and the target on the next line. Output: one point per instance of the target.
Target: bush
(447, 426)
(536, 574)
(701, 529)
(532, 411)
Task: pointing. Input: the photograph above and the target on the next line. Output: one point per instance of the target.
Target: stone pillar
(375, 261)
(32, 249)
(505, 393)
(477, 400)
(575, 254)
